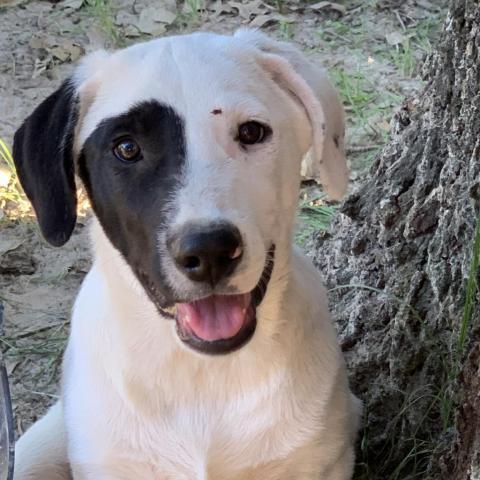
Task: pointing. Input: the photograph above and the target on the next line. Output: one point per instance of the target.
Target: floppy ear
(309, 85)
(43, 156)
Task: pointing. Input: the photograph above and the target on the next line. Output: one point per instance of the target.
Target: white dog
(201, 345)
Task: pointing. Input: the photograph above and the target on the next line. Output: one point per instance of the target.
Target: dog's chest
(199, 443)
(198, 439)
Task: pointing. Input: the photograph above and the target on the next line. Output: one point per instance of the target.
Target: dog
(201, 346)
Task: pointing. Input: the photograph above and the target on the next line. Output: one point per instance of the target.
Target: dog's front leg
(80, 472)
(41, 453)
(342, 469)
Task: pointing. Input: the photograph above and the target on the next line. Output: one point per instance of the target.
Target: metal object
(7, 434)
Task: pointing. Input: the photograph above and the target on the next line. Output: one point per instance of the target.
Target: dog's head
(190, 149)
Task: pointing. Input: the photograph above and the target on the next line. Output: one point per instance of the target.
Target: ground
(373, 50)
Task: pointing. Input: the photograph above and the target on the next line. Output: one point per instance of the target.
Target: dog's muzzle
(220, 324)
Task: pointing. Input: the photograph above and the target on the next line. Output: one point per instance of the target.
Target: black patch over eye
(127, 150)
(252, 132)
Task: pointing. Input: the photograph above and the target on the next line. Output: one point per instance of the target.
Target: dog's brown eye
(251, 132)
(127, 150)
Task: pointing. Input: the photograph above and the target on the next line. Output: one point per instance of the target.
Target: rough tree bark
(397, 259)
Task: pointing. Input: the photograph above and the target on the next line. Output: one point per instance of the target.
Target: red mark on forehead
(216, 111)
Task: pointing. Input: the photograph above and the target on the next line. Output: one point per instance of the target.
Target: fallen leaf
(428, 5)
(147, 24)
(330, 5)
(163, 15)
(262, 20)
(39, 67)
(384, 125)
(124, 18)
(11, 365)
(67, 51)
(247, 11)
(76, 52)
(217, 7)
(37, 8)
(189, 8)
(73, 4)
(96, 38)
(8, 244)
(395, 38)
(42, 40)
(131, 31)
(60, 53)
(152, 20)
(319, 5)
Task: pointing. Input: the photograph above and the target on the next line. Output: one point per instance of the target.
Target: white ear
(326, 160)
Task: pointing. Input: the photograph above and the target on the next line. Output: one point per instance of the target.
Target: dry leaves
(151, 20)
(217, 8)
(71, 4)
(395, 38)
(329, 5)
(53, 50)
(266, 19)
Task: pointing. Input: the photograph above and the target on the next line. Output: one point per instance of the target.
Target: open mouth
(220, 324)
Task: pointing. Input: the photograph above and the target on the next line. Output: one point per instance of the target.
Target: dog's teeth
(236, 253)
(171, 310)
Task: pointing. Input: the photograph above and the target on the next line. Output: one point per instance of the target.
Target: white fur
(136, 403)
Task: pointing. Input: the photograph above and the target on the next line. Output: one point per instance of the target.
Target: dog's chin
(220, 324)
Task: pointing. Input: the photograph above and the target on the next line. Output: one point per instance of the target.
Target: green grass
(102, 11)
(359, 98)
(44, 346)
(193, 9)
(442, 399)
(368, 113)
(313, 216)
(418, 451)
(403, 58)
(335, 29)
(286, 29)
(426, 32)
(418, 38)
(354, 89)
(472, 293)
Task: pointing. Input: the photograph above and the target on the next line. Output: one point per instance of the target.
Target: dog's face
(190, 150)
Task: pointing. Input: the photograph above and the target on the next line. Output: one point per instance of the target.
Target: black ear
(43, 155)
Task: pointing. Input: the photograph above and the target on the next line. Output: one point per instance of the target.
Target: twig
(38, 330)
(362, 148)
(400, 21)
(43, 394)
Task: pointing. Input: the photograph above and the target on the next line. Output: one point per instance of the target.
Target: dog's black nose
(206, 253)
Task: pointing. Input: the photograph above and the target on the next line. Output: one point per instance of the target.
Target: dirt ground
(372, 48)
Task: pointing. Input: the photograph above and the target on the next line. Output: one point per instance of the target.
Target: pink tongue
(216, 317)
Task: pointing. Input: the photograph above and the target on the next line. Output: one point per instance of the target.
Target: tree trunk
(397, 260)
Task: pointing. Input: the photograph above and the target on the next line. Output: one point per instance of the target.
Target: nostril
(191, 262)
